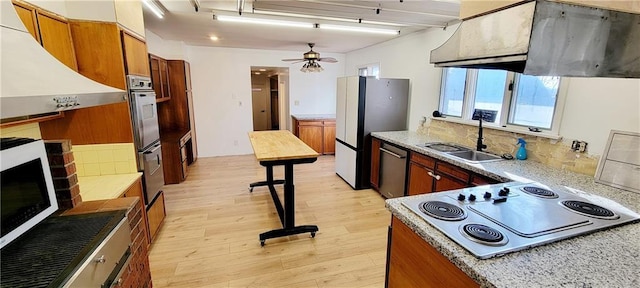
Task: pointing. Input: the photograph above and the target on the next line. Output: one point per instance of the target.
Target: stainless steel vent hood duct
(34, 82)
(547, 38)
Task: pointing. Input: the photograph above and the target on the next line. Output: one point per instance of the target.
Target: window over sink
(523, 102)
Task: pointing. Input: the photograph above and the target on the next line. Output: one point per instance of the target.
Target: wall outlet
(579, 146)
(296, 103)
(235, 142)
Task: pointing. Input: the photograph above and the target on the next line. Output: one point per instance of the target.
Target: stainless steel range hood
(34, 82)
(547, 38)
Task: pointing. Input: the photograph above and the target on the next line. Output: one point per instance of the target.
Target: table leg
(288, 221)
(269, 180)
(289, 199)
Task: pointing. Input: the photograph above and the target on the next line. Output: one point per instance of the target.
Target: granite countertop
(106, 186)
(314, 116)
(607, 258)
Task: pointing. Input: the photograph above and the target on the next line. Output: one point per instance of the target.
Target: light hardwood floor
(210, 235)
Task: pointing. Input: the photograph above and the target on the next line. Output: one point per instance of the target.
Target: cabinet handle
(433, 175)
(102, 259)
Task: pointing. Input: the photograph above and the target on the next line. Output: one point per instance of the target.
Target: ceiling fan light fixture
(359, 29)
(262, 21)
(311, 66)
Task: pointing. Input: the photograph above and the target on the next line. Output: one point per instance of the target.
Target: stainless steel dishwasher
(393, 169)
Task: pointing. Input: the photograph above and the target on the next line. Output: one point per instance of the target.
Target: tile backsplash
(105, 159)
(553, 153)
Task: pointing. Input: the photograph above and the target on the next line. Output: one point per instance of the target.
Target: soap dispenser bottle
(522, 151)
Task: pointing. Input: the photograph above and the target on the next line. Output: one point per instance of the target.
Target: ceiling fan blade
(328, 59)
(300, 61)
(286, 60)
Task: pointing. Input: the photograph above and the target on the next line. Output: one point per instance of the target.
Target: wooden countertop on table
(279, 145)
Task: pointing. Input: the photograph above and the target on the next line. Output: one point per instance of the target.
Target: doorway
(269, 98)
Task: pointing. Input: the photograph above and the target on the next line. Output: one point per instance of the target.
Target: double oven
(144, 114)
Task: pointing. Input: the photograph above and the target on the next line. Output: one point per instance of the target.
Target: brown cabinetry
(160, 77)
(176, 156)
(104, 52)
(319, 134)
(156, 213)
(421, 169)
(50, 30)
(427, 174)
(177, 122)
(375, 163)
(412, 262)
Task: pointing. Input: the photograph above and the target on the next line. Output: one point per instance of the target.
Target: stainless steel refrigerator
(365, 105)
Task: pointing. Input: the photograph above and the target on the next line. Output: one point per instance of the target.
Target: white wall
(170, 50)
(221, 81)
(593, 106)
(407, 57)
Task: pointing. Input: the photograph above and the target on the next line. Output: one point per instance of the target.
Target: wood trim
(29, 119)
(415, 263)
(453, 171)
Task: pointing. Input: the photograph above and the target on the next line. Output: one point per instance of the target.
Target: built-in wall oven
(144, 115)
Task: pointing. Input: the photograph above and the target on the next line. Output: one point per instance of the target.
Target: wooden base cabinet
(156, 213)
(412, 262)
(319, 134)
(375, 163)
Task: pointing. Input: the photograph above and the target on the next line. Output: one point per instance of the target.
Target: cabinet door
(164, 79)
(311, 134)
(329, 137)
(420, 182)
(154, 63)
(156, 215)
(412, 262)
(375, 163)
(55, 36)
(446, 183)
(28, 16)
(135, 55)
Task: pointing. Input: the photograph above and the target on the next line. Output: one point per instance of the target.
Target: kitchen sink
(444, 147)
(475, 156)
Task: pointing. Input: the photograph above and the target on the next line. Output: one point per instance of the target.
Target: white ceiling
(182, 23)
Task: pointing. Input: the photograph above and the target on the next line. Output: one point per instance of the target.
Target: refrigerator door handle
(392, 154)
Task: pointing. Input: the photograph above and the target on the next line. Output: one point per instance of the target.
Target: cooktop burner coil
(483, 234)
(589, 209)
(540, 192)
(442, 210)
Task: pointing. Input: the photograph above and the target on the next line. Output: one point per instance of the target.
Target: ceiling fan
(312, 58)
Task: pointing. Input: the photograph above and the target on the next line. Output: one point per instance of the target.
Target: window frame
(468, 103)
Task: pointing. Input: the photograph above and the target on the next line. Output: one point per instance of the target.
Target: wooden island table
(275, 148)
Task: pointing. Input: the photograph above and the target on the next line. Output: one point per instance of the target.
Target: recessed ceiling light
(214, 38)
(257, 73)
(263, 70)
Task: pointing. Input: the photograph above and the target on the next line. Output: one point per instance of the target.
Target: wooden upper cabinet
(99, 52)
(160, 77)
(55, 36)
(135, 55)
(50, 30)
(27, 14)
